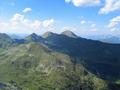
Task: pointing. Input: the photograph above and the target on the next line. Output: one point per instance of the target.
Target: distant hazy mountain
(18, 36)
(106, 38)
(111, 40)
(58, 62)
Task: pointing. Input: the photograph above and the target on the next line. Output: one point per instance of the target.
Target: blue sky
(84, 17)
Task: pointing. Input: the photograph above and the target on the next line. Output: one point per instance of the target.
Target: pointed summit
(34, 34)
(48, 34)
(34, 37)
(69, 34)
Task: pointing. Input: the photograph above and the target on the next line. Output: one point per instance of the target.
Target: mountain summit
(33, 37)
(48, 34)
(69, 34)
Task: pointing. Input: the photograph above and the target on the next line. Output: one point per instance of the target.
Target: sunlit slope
(34, 66)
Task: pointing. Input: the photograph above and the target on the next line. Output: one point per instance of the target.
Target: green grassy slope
(34, 66)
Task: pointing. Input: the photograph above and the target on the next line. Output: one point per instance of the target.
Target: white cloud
(79, 3)
(113, 29)
(88, 26)
(19, 24)
(94, 29)
(110, 6)
(114, 23)
(67, 1)
(26, 10)
(48, 23)
(17, 18)
(88, 23)
(93, 25)
(83, 22)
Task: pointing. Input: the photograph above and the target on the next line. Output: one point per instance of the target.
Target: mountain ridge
(56, 52)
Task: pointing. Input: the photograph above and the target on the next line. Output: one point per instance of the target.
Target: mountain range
(106, 38)
(58, 62)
